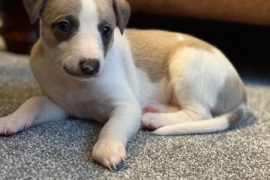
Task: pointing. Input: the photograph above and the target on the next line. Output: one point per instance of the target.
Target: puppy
(89, 68)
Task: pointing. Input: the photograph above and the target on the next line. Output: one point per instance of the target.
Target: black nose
(89, 67)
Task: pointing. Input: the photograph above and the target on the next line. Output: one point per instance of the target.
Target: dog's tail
(219, 123)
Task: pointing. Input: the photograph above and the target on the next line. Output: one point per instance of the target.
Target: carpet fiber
(62, 150)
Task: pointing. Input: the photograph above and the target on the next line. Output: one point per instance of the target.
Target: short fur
(169, 82)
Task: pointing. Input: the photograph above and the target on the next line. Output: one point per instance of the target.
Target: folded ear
(122, 11)
(33, 8)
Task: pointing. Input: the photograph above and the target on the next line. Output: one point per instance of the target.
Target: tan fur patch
(197, 44)
(37, 52)
(234, 118)
(54, 11)
(232, 94)
(152, 49)
(105, 11)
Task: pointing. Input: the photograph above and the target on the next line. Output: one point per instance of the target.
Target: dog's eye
(63, 27)
(106, 31)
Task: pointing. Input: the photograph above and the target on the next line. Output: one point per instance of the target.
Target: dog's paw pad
(151, 109)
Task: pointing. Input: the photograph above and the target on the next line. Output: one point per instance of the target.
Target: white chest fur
(121, 82)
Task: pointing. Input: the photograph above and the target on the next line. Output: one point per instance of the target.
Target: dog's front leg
(110, 148)
(34, 111)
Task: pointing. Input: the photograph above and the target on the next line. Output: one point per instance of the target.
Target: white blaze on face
(88, 35)
(87, 43)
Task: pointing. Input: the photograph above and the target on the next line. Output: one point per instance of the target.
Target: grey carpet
(62, 150)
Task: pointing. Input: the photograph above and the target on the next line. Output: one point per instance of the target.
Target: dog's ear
(33, 8)
(122, 11)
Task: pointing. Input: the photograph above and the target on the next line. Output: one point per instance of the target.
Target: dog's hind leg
(197, 75)
(160, 108)
(189, 114)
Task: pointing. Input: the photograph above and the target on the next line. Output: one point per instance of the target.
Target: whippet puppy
(90, 68)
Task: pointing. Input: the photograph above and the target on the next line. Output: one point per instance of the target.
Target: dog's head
(79, 32)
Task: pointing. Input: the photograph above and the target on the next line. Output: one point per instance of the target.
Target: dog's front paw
(10, 125)
(109, 153)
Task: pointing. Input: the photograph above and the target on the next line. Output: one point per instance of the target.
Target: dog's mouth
(80, 75)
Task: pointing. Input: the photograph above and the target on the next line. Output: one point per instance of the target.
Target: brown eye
(106, 31)
(63, 27)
